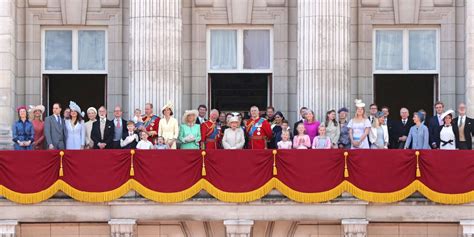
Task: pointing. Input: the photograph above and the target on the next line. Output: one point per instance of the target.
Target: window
(74, 50)
(406, 51)
(232, 50)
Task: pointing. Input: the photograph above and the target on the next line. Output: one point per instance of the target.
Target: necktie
(461, 122)
(118, 123)
(57, 120)
(404, 122)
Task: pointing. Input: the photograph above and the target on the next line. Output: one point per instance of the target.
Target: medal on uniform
(258, 133)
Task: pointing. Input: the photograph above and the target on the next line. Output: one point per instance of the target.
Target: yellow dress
(169, 130)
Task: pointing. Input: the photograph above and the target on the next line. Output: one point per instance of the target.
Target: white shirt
(144, 145)
(463, 118)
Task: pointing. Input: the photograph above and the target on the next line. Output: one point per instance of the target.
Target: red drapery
(238, 175)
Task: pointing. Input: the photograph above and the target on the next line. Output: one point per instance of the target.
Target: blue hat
(421, 116)
(379, 114)
(343, 109)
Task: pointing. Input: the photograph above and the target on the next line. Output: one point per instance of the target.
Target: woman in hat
(38, 126)
(446, 132)
(359, 128)
(92, 115)
(233, 136)
(168, 127)
(76, 131)
(189, 131)
(23, 132)
(344, 140)
(379, 132)
(418, 137)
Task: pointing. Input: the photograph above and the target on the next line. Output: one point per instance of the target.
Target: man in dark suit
(202, 111)
(463, 128)
(54, 131)
(392, 138)
(401, 129)
(120, 127)
(434, 124)
(303, 111)
(102, 133)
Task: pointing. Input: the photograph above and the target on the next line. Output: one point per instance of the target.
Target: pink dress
(305, 144)
(312, 129)
(38, 127)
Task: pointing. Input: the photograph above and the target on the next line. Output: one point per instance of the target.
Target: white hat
(359, 103)
(234, 119)
(446, 113)
(92, 109)
(38, 107)
(168, 105)
(75, 107)
(189, 112)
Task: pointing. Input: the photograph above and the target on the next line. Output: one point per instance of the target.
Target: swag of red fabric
(444, 176)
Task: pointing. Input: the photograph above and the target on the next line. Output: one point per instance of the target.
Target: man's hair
(202, 106)
(271, 107)
(59, 104)
(385, 107)
(373, 105)
(439, 103)
(285, 121)
(149, 104)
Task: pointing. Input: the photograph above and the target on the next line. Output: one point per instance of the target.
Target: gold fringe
(346, 171)
(29, 198)
(381, 197)
(275, 171)
(84, 196)
(203, 170)
(132, 170)
(61, 171)
(239, 197)
(418, 172)
(309, 197)
(167, 197)
(444, 198)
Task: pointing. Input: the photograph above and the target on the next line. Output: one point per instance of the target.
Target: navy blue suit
(433, 128)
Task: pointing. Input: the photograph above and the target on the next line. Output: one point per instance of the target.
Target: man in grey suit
(54, 129)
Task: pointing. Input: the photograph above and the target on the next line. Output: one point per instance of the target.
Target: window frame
(75, 50)
(406, 53)
(240, 49)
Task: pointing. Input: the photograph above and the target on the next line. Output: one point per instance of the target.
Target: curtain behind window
(389, 50)
(256, 49)
(58, 50)
(223, 49)
(423, 50)
(91, 50)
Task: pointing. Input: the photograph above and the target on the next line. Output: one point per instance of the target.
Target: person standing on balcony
(202, 111)
(344, 140)
(23, 132)
(92, 115)
(102, 131)
(189, 131)
(463, 128)
(311, 125)
(418, 137)
(359, 128)
(54, 131)
(150, 123)
(258, 130)
(168, 127)
(76, 131)
(379, 132)
(333, 130)
(447, 137)
(210, 134)
(434, 124)
(120, 127)
(233, 136)
(38, 126)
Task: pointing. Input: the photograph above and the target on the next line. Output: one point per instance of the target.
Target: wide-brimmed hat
(450, 111)
(75, 107)
(189, 112)
(168, 105)
(38, 107)
(359, 104)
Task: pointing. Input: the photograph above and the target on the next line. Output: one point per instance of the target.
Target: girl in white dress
(285, 142)
(446, 133)
(359, 128)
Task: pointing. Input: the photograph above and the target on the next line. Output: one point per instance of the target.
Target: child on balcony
(322, 141)
(285, 142)
(144, 144)
(160, 144)
(301, 141)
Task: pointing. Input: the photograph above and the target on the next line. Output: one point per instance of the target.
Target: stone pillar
(323, 55)
(155, 60)
(467, 228)
(7, 70)
(238, 228)
(122, 227)
(8, 228)
(470, 57)
(355, 227)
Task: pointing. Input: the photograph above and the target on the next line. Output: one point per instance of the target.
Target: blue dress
(76, 135)
(418, 138)
(23, 131)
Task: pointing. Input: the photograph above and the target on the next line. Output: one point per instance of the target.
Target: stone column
(470, 57)
(8, 228)
(238, 228)
(155, 54)
(467, 228)
(122, 227)
(355, 227)
(323, 55)
(7, 70)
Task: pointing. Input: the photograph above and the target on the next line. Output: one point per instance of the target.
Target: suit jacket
(108, 134)
(400, 130)
(124, 126)
(391, 134)
(434, 128)
(55, 133)
(131, 145)
(199, 121)
(468, 131)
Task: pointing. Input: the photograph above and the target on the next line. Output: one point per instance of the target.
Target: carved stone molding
(239, 11)
(74, 12)
(370, 3)
(204, 3)
(406, 11)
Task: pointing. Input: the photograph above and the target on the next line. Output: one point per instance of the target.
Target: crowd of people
(269, 130)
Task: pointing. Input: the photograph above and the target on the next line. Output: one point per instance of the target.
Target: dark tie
(58, 120)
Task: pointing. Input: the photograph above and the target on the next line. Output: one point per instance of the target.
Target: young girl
(285, 142)
(322, 141)
(144, 144)
(160, 144)
(301, 141)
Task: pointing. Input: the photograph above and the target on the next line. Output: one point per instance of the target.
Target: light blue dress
(184, 131)
(76, 135)
(418, 138)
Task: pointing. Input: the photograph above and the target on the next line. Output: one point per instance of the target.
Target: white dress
(358, 129)
(144, 145)
(233, 139)
(448, 140)
(169, 130)
(76, 135)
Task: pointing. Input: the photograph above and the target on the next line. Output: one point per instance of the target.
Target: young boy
(130, 139)
(144, 144)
